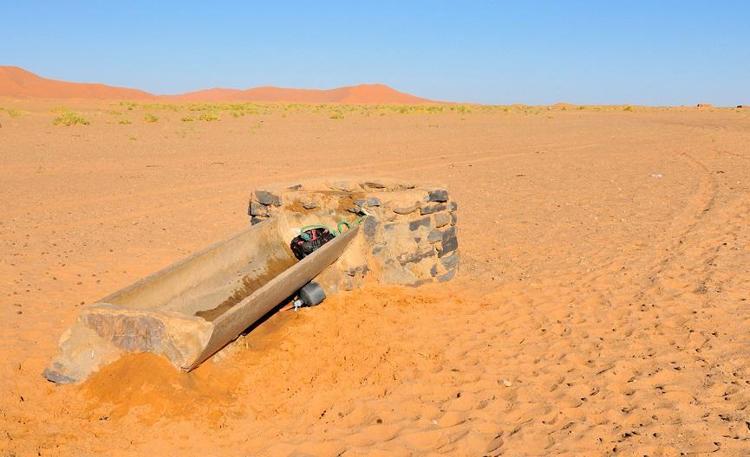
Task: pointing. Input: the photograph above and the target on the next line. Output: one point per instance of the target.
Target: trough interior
(210, 282)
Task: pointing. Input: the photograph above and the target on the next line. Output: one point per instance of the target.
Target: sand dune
(363, 93)
(19, 83)
(601, 307)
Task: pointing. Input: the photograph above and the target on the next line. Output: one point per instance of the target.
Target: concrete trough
(191, 309)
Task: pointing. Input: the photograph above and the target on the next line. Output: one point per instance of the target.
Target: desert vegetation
(69, 118)
(12, 112)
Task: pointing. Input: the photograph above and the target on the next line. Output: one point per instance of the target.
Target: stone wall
(408, 231)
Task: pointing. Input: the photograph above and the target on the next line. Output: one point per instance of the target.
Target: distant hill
(363, 93)
(19, 83)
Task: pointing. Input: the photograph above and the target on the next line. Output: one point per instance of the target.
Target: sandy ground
(602, 306)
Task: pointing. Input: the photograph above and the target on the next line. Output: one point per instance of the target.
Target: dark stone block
(433, 271)
(267, 198)
(454, 218)
(434, 208)
(450, 261)
(421, 282)
(256, 209)
(295, 187)
(442, 219)
(438, 195)
(435, 236)
(363, 203)
(370, 226)
(450, 241)
(256, 220)
(358, 270)
(447, 277)
(453, 206)
(424, 222)
(53, 374)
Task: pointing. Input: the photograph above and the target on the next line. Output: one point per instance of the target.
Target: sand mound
(151, 387)
(17, 82)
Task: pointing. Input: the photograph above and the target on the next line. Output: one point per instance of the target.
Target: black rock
(442, 219)
(450, 242)
(57, 377)
(435, 236)
(370, 226)
(424, 222)
(256, 209)
(447, 277)
(438, 195)
(267, 198)
(419, 283)
(429, 209)
(450, 261)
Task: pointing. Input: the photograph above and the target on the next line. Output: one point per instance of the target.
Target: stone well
(408, 230)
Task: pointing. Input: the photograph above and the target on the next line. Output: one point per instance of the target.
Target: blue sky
(640, 52)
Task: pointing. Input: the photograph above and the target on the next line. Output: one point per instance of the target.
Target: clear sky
(641, 52)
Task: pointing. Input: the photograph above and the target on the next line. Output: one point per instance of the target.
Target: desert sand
(601, 307)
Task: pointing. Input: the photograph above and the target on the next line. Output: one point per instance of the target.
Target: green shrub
(208, 116)
(149, 117)
(161, 107)
(128, 105)
(12, 112)
(68, 118)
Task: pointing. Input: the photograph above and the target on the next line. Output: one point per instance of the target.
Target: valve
(311, 294)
